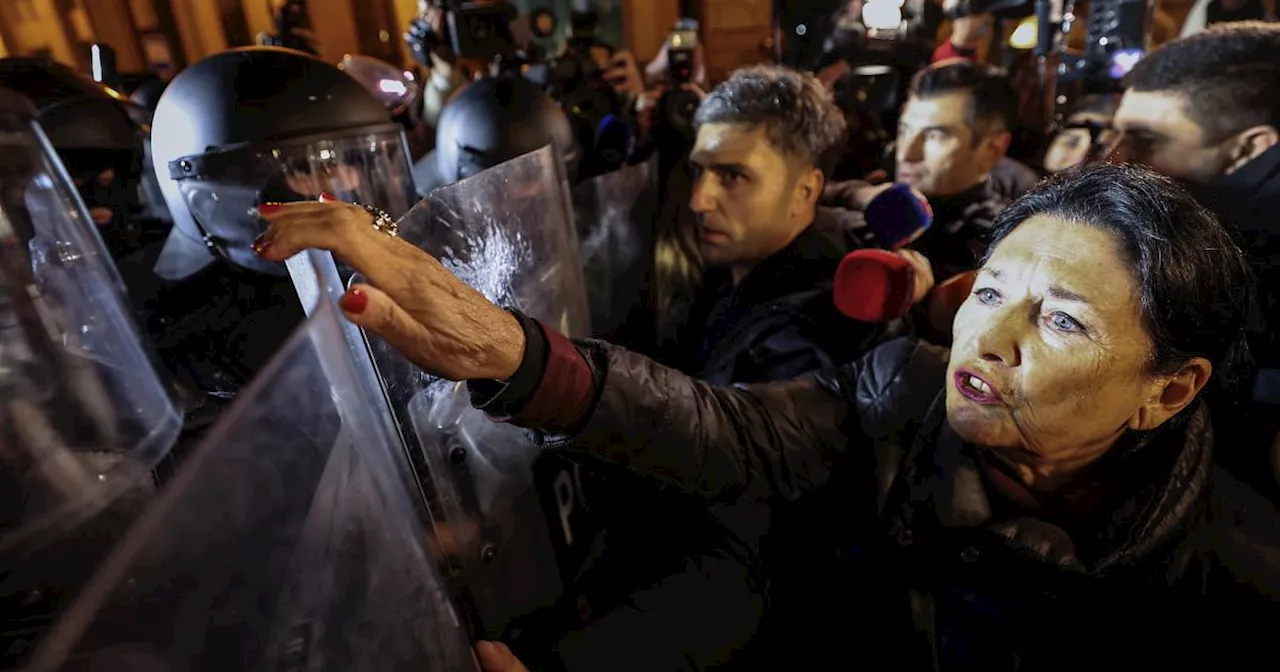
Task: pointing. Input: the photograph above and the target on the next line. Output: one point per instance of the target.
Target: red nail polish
(326, 196)
(354, 301)
(268, 208)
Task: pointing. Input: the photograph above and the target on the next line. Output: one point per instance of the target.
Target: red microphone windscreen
(874, 286)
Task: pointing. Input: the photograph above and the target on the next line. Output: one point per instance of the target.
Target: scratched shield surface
(507, 232)
(287, 540)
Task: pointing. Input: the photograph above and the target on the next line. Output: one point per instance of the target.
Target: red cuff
(947, 50)
(565, 393)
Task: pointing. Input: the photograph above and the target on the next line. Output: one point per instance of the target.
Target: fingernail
(262, 243)
(268, 209)
(326, 196)
(354, 301)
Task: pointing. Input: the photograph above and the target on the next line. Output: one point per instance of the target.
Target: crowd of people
(1056, 445)
(1079, 471)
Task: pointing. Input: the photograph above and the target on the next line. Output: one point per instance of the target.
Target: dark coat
(1247, 201)
(669, 563)
(961, 229)
(1177, 565)
(962, 223)
(781, 321)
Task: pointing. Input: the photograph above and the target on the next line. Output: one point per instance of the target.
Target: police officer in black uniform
(232, 132)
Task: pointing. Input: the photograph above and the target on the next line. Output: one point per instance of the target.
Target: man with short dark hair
(680, 582)
(1202, 107)
(1205, 110)
(954, 130)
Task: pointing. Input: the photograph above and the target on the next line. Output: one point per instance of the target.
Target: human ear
(993, 148)
(809, 187)
(1249, 144)
(1169, 395)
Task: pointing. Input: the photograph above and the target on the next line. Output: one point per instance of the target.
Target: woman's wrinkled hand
(496, 657)
(410, 299)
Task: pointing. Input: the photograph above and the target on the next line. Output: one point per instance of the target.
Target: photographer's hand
(496, 657)
(624, 75)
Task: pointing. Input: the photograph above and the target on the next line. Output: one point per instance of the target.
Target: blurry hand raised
(411, 300)
(496, 657)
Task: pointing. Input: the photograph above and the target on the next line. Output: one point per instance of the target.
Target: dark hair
(993, 103)
(1194, 284)
(1099, 104)
(1227, 73)
(797, 112)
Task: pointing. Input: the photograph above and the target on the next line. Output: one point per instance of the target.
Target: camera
(678, 105)
(1116, 35)
(681, 44)
(481, 32)
(469, 30)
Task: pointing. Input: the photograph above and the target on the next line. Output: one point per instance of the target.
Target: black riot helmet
(101, 137)
(261, 125)
(496, 119)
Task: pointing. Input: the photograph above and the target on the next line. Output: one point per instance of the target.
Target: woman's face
(1050, 359)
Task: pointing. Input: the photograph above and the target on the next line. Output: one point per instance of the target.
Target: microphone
(613, 143)
(897, 216)
(874, 286)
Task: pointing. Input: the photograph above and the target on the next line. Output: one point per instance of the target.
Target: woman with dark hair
(1042, 499)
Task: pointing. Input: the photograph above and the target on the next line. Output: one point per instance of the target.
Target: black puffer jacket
(1178, 565)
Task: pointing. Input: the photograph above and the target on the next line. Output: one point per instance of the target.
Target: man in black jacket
(679, 583)
(1206, 110)
(952, 138)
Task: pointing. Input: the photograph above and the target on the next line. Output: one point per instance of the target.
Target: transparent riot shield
(615, 215)
(286, 541)
(507, 232)
(83, 415)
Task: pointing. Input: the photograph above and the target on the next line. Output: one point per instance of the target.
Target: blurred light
(802, 30)
(675, 40)
(872, 70)
(392, 86)
(96, 57)
(326, 155)
(1123, 61)
(882, 14)
(1025, 35)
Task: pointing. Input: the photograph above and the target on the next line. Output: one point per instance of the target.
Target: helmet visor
(222, 189)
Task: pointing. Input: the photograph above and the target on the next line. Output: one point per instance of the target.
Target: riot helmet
(496, 119)
(83, 415)
(101, 138)
(263, 124)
